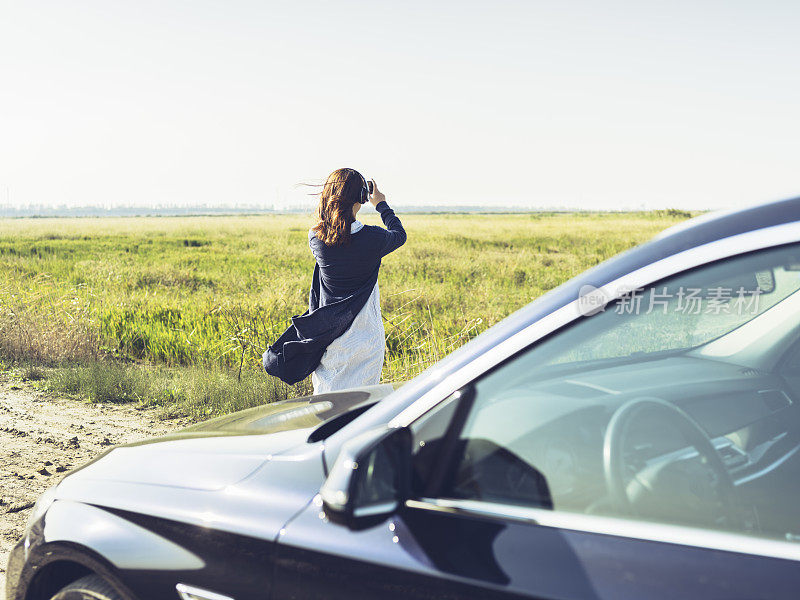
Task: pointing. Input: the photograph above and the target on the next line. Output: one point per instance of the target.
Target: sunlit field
(177, 311)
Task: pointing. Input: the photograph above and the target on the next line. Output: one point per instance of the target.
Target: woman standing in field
(340, 339)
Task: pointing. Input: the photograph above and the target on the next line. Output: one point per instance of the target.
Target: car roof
(695, 232)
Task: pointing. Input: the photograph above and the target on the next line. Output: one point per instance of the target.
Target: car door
(651, 450)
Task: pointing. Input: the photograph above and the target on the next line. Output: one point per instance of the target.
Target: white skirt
(355, 358)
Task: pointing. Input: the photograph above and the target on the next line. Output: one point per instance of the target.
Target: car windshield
(682, 313)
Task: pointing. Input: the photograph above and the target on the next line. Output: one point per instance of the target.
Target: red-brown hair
(335, 211)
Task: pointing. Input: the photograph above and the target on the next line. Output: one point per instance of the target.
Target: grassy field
(177, 311)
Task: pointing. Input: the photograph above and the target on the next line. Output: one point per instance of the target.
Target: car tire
(91, 587)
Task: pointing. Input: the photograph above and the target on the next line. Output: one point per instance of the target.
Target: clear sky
(563, 103)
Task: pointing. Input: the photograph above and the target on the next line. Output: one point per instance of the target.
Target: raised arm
(395, 234)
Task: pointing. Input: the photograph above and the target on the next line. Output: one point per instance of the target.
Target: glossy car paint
(185, 504)
(228, 506)
(420, 553)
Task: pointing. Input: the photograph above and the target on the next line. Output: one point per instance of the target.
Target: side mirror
(370, 478)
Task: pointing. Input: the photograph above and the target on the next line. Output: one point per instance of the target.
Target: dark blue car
(634, 433)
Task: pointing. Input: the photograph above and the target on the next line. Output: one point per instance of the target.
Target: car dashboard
(751, 418)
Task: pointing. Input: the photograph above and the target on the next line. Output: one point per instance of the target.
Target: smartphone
(369, 186)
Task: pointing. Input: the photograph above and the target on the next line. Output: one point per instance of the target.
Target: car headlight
(41, 506)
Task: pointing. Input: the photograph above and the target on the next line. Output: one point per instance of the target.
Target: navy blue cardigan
(343, 279)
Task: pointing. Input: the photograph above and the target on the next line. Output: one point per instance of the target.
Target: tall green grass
(208, 294)
(196, 392)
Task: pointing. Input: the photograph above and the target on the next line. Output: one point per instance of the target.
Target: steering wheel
(614, 463)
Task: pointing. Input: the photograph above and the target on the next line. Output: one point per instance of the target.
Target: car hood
(298, 413)
(222, 451)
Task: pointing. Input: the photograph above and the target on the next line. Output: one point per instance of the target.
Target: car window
(428, 444)
(664, 415)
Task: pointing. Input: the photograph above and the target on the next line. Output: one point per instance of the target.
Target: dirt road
(42, 438)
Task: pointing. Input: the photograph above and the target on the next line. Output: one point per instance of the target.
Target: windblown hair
(335, 212)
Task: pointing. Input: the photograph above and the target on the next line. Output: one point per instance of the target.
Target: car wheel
(91, 587)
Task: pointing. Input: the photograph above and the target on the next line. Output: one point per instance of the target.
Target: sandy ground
(42, 438)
